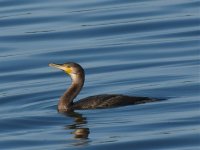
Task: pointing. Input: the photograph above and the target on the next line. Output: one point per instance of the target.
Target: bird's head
(71, 68)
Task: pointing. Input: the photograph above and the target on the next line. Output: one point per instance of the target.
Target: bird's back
(106, 101)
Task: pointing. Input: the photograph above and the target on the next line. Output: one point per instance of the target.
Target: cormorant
(77, 74)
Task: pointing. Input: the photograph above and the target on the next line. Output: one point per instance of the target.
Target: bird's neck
(66, 101)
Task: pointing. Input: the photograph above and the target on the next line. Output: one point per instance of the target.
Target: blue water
(142, 47)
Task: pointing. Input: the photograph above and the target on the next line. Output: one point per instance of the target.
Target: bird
(77, 74)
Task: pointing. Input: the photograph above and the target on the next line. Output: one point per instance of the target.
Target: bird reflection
(80, 132)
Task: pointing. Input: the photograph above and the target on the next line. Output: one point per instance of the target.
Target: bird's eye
(68, 67)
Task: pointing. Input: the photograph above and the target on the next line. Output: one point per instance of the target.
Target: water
(142, 47)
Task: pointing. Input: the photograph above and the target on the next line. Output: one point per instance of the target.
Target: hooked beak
(57, 66)
(67, 70)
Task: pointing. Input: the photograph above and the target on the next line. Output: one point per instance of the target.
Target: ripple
(143, 48)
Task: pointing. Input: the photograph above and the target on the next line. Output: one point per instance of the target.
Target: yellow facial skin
(68, 70)
(64, 67)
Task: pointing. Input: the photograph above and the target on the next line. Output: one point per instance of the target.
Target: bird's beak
(57, 66)
(61, 67)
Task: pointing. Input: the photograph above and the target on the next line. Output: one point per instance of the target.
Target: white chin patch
(74, 77)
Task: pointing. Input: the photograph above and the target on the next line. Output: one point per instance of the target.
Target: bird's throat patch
(68, 70)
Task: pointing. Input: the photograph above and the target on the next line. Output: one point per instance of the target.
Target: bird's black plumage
(76, 72)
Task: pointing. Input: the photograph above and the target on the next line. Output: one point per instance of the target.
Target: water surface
(142, 47)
